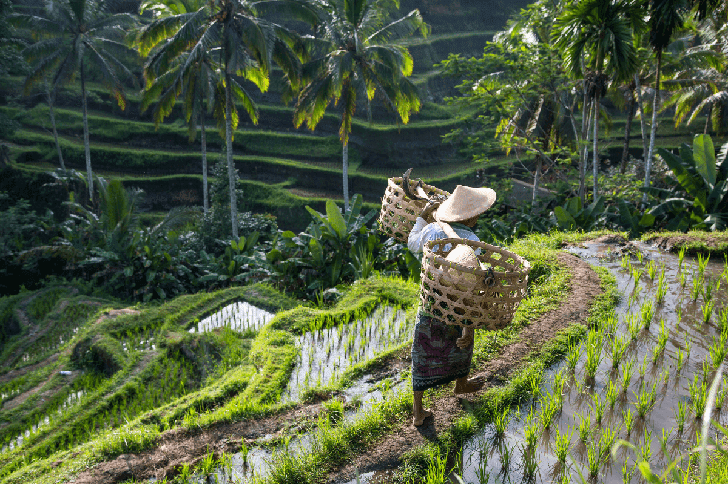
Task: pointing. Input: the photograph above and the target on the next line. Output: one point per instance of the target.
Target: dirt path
(386, 455)
(179, 446)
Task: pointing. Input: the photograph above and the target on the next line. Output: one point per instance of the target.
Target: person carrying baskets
(442, 353)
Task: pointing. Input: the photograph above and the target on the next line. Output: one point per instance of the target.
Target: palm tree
(701, 83)
(245, 45)
(354, 55)
(666, 17)
(74, 36)
(597, 34)
(197, 81)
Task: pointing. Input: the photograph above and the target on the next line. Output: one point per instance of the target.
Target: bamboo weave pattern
(400, 212)
(469, 297)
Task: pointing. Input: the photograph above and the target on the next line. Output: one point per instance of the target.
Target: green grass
(695, 242)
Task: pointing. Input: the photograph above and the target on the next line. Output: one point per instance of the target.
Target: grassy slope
(240, 393)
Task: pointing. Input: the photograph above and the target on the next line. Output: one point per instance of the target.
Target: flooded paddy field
(642, 378)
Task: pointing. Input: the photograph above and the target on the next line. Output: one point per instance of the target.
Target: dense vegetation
(552, 100)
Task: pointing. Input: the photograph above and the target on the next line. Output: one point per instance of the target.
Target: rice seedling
(611, 394)
(703, 263)
(723, 319)
(680, 416)
(645, 400)
(647, 311)
(720, 397)
(501, 421)
(661, 288)
(628, 419)
(572, 356)
(665, 437)
(640, 257)
(505, 460)
(626, 262)
(705, 367)
(549, 408)
(530, 464)
(688, 343)
(651, 269)
(697, 287)
(680, 359)
(534, 384)
(563, 444)
(633, 326)
(619, 346)
(593, 355)
(642, 369)
(532, 429)
(627, 373)
(683, 278)
(719, 348)
(565, 478)
(597, 407)
(646, 448)
(584, 428)
(708, 290)
(698, 396)
(707, 311)
(663, 335)
(607, 440)
(681, 257)
(594, 458)
(626, 474)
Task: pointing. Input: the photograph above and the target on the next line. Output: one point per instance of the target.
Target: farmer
(442, 353)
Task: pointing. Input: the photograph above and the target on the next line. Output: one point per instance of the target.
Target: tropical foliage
(73, 37)
(356, 54)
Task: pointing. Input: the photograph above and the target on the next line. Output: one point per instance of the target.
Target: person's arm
(414, 240)
(467, 339)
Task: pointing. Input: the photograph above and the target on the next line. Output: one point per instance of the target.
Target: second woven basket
(470, 297)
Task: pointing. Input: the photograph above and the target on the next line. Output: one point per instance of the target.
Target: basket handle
(421, 195)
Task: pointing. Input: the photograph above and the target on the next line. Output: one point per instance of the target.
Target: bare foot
(418, 420)
(469, 386)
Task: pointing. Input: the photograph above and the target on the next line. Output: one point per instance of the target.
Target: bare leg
(420, 414)
(463, 385)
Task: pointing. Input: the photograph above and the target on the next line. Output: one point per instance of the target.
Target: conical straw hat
(465, 203)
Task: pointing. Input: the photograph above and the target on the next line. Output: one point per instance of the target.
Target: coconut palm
(196, 81)
(354, 55)
(75, 36)
(666, 17)
(701, 82)
(244, 44)
(596, 38)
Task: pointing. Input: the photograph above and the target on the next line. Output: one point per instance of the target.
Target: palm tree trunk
(595, 164)
(653, 132)
(55, 132)
(346, 175)
(627, 132)
(86, 145)
(585, 117)
(641, 108)
(536, 181)
(203, 142)
(229, 143)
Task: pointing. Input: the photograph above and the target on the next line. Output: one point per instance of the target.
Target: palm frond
(400, 29)
(110, 79)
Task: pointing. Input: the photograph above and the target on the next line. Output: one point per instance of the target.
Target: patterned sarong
(436, 359)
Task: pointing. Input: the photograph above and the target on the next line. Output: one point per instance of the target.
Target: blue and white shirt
(423, 232)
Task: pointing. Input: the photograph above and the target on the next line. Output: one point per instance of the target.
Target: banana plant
(700, 199)
(632, 220)
(573, 216)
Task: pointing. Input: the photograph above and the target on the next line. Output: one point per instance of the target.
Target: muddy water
(499, 459)
(325, 354)
(239, 316)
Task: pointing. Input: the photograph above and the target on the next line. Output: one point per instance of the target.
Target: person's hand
(466, 340)
(429, 208)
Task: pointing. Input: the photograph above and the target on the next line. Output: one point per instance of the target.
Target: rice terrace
(363, 241)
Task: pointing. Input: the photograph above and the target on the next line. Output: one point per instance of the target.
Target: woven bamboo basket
(399, 212)
(470, 297)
